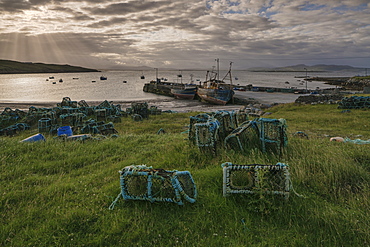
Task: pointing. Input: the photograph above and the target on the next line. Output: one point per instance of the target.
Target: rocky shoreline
(171, 104)
(327, 99)
(357, 83)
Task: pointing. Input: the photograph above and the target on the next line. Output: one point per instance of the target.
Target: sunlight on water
(39, 88)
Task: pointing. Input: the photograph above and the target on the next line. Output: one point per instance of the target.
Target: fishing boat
(216, 91)
(185, 92)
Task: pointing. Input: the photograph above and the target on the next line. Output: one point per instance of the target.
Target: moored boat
(187, 92)
(216, 91)
(216, 96)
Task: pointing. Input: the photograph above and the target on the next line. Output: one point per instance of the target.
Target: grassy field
(57, 193)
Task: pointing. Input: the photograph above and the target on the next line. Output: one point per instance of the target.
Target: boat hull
(187, 93)
(215, 96)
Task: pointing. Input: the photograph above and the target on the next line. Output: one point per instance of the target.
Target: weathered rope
(111, 207)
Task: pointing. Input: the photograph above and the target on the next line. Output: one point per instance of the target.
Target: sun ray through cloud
(91, 31)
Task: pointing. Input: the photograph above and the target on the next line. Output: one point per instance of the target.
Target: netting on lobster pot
(157, 185)
(256, 178)
(245, 137)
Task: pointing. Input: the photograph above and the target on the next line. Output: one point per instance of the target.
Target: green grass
(319, 120)
(58, 193)
(361, 77)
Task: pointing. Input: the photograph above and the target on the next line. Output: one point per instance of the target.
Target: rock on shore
(314, 98)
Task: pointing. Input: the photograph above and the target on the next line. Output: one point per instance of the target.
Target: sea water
(128, 85)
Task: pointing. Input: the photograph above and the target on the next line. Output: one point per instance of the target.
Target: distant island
(303, 68)
(14, 67)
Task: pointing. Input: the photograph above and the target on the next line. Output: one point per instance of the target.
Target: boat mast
(229, 73)
(218, 68)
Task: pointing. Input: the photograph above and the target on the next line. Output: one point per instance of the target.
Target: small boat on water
(216, 91)
(240, 89)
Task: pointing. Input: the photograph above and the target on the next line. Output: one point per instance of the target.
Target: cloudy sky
(186, 34)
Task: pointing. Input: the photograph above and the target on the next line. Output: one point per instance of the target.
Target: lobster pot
(244, 137)
(91, 128)
(206, 135)
(155, 111)
(88, 111)
(255, 178)
(101, 114)
(114, 119)
(157, 185)
(241, 117)
(73, 119)
(9, 131)
(69, 110)
(67, 102)
(129, 111)
(22, 126)
(44, 125)
(109, 108)
(51, 115)
(107, 129)
(354, 102)
(272, 134)
(137, 117)
(228, 122)
(200, 118)
(141, 109)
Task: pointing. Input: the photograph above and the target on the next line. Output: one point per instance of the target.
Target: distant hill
(14, 67)
(303, 67)
(130, 68)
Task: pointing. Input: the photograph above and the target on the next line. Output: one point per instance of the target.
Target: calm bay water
(38, 88)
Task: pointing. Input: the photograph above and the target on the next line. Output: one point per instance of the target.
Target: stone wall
(317, 98)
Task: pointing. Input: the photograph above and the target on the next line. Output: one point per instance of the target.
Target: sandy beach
(175, 104)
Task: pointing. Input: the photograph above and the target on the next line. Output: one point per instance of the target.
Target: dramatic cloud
(186, 34)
